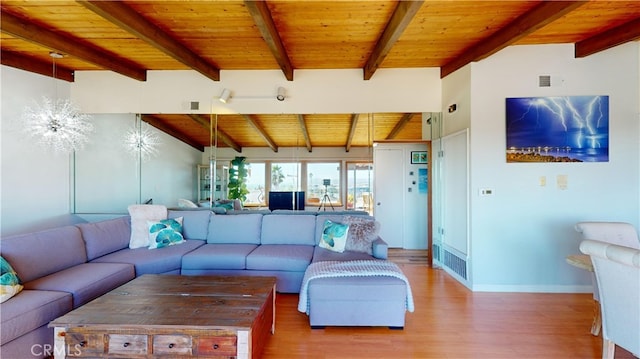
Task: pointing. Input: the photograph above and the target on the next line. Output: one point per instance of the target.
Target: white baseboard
(534, 288)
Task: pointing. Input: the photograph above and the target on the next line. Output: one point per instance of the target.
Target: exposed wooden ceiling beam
(305, 132)
(536, 18)
(201, 120)
(128, 19)
(352, 130)
(227, 140)
(160, 125)
(400, 19)
(204, 121)
(262, 17)
(27, 63)
(629, 31)
(75, 47)
(262, 133)
(400, 125)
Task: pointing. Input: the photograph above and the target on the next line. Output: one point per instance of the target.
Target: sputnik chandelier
(57, 124)
(140, 141)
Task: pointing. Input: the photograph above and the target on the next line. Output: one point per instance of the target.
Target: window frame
(340, 191)
(363, 206)
(264, 193)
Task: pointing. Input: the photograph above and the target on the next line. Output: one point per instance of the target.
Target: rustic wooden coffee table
(172, 316)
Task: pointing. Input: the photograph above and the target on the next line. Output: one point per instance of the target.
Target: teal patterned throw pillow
(334, 236)
(9, 281)
(166, 232)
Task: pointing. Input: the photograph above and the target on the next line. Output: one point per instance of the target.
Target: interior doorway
(389, 195)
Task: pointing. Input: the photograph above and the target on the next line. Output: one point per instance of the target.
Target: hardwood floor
(450, 322)
(408, 256)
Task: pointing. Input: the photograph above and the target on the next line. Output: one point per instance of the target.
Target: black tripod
(325, 200)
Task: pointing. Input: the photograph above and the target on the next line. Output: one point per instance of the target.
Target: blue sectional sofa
(280, 245)
(64, 268)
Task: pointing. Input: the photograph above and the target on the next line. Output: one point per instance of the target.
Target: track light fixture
(225, 96)
(281, 93)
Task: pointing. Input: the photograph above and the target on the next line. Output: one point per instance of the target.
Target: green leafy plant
(238, 179)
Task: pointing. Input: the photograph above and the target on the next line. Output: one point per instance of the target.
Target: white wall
(456, 89)
(34, 182)
(521, 234)
(312, 91)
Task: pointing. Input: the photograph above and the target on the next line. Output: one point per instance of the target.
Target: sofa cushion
(243, 229)
(105, 237)
(195, 223)
(9, 281)
(53, 250)
(85, 281)
(140, 214)
(288, 229)
(157, 261)
(218, 256)
(166, 232)
(334, 236)
(31, 309)
(23, 347)
(285, 257)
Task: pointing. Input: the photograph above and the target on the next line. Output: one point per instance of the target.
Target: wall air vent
(195, 105)
(544, 81)
(456, 264)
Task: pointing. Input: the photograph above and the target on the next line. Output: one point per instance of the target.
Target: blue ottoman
(357, 301)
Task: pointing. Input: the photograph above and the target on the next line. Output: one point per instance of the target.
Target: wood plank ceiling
(133, 37)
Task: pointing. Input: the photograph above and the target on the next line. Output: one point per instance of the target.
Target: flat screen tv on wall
(286, 200)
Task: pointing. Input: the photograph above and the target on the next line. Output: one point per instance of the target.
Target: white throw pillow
(185, 203)
(140, 214)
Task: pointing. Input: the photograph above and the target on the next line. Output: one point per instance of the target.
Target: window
(256, 184)
(323, 179)
(285, 176)
(359, 185)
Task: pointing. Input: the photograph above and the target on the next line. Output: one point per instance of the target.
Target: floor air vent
(455, 263)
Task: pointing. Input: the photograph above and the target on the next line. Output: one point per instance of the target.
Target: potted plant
(238, 179)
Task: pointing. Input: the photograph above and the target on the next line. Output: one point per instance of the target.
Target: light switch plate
(562, 181)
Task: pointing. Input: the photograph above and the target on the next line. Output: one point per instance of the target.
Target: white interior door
(388, 194)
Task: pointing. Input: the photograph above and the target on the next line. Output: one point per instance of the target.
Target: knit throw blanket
(359, 268)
